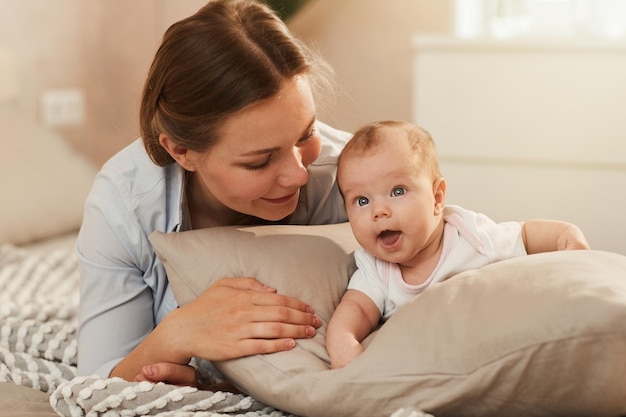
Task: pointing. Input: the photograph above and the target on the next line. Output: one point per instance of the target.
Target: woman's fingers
(265, 322)
(269, 315)
(246, 347)
(274, 330)
(244, 283)
(254, 293)
(279, 300)
(170, 373)
(238, 317)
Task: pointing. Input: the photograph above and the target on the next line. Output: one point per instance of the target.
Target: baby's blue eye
(362, 201)
(398, 191)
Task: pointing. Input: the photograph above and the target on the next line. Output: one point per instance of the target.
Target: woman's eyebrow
(261, 151)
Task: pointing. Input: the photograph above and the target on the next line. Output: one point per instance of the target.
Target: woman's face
(260, 161)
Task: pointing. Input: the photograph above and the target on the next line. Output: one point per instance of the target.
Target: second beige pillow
(541, 335)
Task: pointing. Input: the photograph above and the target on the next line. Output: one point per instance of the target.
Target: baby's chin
(392, 258)
(385, 255)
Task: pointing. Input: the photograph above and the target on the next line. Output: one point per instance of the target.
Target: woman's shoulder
(129, 160)
(132, 167)
(131, 178)
(133, 196)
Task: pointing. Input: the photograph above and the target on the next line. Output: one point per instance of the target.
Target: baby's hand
(572, 238)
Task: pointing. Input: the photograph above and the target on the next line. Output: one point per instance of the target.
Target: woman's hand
(175, 374)
(235, 317)
(170, 373)
(239, 317)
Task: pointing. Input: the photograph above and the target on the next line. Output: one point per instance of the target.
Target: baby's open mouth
(389, 237)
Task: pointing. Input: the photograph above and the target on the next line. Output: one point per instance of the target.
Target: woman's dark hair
(227, 56)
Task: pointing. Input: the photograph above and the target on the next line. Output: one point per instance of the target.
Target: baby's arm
(552, 235)
(355, 317)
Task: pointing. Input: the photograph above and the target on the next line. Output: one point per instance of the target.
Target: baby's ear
(439, 192)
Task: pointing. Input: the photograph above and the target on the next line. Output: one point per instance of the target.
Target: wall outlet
(63, 106)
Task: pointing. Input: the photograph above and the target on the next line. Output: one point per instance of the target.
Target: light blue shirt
(124, 291)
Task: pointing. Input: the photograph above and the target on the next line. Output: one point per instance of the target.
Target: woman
(229, 137)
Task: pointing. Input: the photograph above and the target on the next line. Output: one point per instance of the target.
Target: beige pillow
(312, 263)
(538, 335)
(42, 180)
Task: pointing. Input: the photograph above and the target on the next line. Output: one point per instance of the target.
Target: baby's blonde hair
(370, 136)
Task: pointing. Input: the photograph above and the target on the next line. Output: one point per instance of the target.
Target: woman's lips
(281, 200)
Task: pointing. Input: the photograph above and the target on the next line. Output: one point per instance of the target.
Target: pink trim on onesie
(457, 221)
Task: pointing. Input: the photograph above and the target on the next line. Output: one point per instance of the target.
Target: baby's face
(390, 201)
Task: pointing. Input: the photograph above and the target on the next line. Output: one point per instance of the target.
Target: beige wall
(368, 43)
(104, 47)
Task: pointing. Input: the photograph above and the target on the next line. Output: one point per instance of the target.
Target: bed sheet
(18, 401)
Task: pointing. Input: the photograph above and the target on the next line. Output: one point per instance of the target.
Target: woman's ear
(439, 192)
(180, 154)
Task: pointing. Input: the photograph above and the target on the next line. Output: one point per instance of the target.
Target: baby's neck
(421, 267)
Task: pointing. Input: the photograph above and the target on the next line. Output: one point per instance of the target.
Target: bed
(547, 338)
(543, 335)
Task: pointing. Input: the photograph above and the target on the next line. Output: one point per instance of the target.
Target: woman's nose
(293, 172)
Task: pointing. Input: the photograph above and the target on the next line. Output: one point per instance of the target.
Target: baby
(394, 195)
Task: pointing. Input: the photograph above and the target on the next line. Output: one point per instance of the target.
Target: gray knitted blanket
(38, 321)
